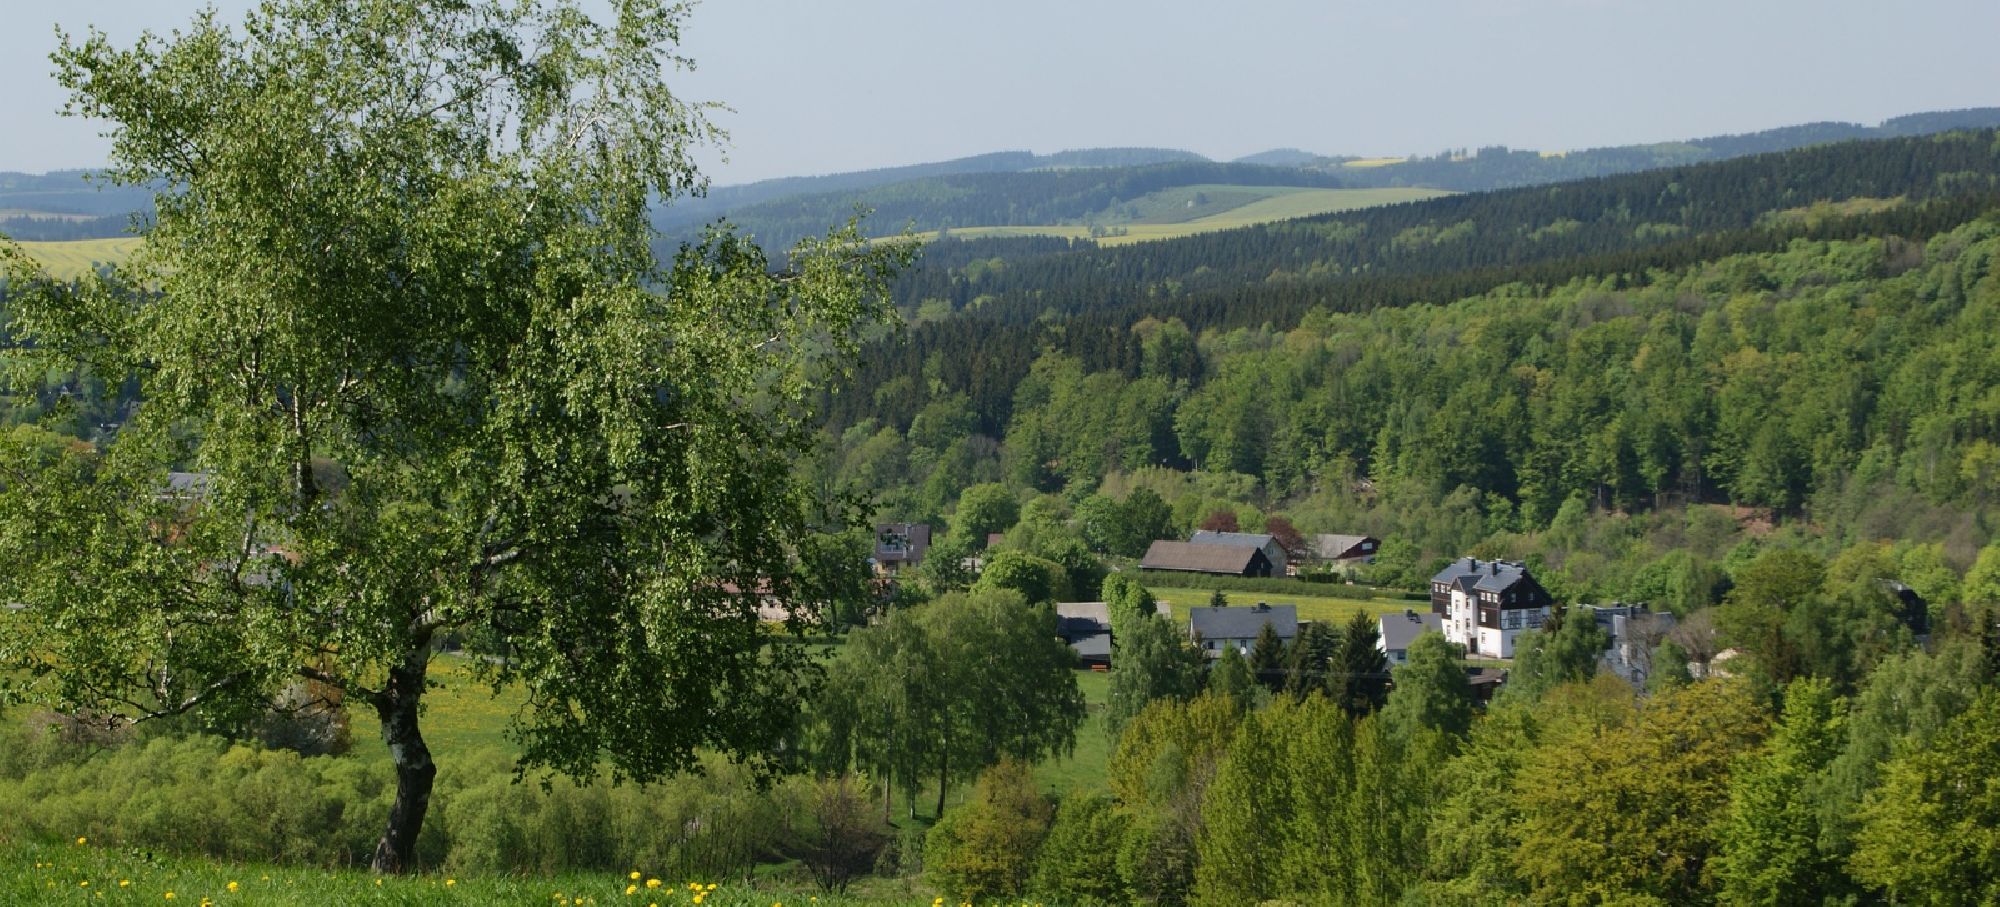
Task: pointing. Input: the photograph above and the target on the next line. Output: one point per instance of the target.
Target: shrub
(987, 848)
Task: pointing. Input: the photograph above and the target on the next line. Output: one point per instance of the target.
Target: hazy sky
(819, 87)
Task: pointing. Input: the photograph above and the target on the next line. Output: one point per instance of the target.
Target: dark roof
(1332, 546)
(1244, 539)
(1194, 558)
(1244, 623)
(1399, 630)
(1482, 576)
(901, 542)
(1096, 645)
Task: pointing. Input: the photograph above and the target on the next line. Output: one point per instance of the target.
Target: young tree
(1267, 657)
(1311, 659)
(946, 689)
(1152, 660)
(1361, 672)
(1930, 833)
(1231, 678)
(399, 305)
(1431, 691)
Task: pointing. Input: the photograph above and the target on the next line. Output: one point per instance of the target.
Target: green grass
(67, 873)
(460, 716)
(1084, 769)
(1323, 608)
(79, 257)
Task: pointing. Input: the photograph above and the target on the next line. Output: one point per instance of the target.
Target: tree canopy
(400, 318)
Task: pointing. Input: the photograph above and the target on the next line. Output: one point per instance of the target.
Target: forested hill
(1031, 198)
(1013, 301)
(692, 212)
(1499, 167)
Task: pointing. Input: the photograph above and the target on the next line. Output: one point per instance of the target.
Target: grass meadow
(68, 260)
(72, 873)
(1259, 205)
(1325, 608)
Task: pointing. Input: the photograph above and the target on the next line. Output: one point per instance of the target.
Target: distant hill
(1076, 196)
(691, 212)
(1283, 157)
(1500, 167)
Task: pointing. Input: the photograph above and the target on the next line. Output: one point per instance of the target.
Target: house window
(1535, 618)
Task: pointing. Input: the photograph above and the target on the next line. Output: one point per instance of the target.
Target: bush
(987, 848)
(835, 830)
(1078, 865)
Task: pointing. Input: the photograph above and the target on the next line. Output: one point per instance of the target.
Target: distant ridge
(1282, 157)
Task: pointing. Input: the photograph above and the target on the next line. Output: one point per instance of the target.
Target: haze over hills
(1096, 192)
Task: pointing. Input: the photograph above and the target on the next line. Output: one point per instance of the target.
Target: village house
(1086, 626)
(1395, 632)
(1273, 551)
(1215, 629)
(1484, 605)
(1633, 631)
(1167, 556)
(900, 546)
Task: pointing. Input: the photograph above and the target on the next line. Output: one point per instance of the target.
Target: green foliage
(1771, 848)
(462, 394)
(982, 510)
(1232, 678)
(1153, 659)
(946, 689)
(1629, 811)
(987, 848)
(1034, 579)
(1931, 833)
(1564, 650)
(1431, 691)
(1359, 681)
(1077, 862)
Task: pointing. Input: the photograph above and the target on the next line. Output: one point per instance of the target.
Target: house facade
(1484, 605)
(1275, 553)
(900, 546)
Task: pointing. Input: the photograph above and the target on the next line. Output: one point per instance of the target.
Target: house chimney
(1495, 567)
(1410, 613)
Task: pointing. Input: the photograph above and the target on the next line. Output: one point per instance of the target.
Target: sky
(821, 87)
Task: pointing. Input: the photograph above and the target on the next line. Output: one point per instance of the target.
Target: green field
(79, 257)
(70, 873)
(1322, 608)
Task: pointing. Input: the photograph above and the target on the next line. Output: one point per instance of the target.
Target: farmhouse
(1273, 551)
(1395, 632)
(1086, 626)
(1485, 604)
(1217, 628)
(1218, 560)
(1633, 631)
(900, 546)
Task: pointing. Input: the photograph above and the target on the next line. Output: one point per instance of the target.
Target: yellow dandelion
(83, 884)
(450, 882)
(652, 883)
(170, 895)
(711, 886)
(124, 883)
(232, 886)
(82, 840)
(631, 890)
(378, 883)
(634, 876)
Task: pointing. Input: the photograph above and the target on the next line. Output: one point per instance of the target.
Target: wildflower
(170, 895)
(652, 883)
(634, 876)
(378, 883)
(450, 882)
(83, 884)
(232, 886)
(80, 841)
(631, 890)
(124, 883)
